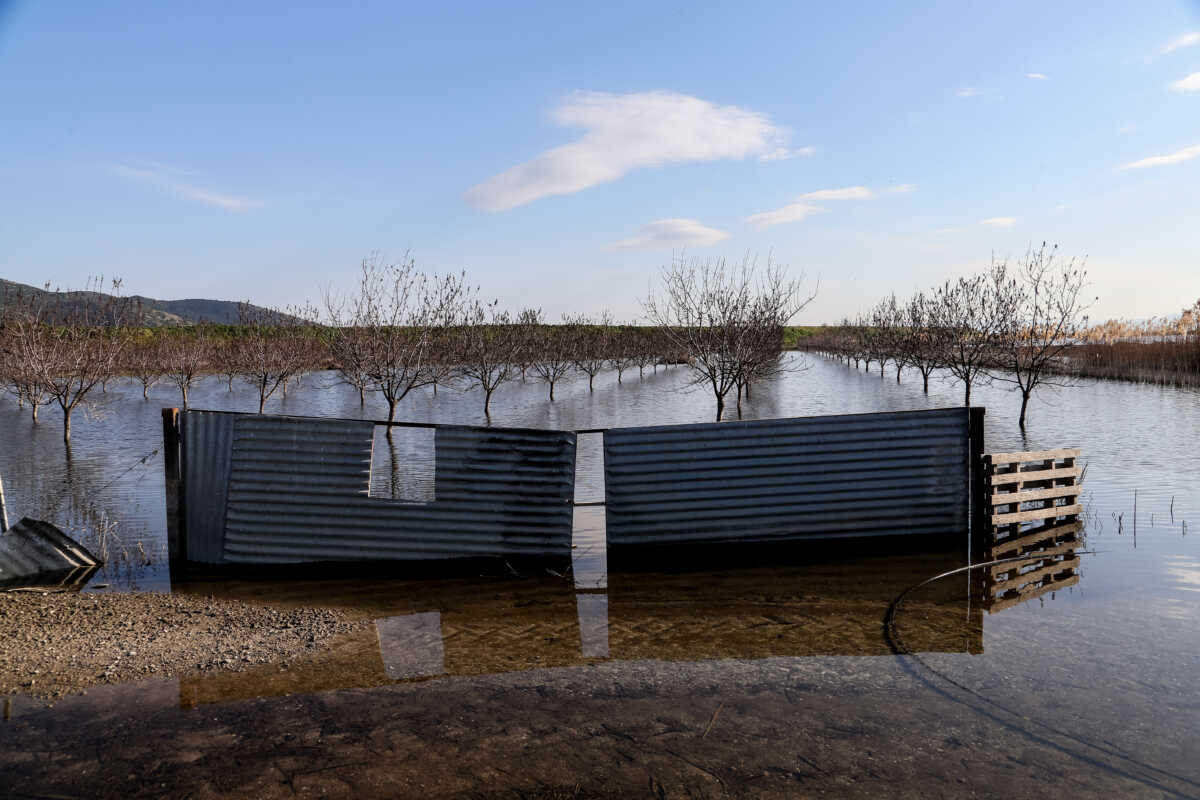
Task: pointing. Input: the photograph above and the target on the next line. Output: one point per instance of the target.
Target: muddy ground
(53, 644)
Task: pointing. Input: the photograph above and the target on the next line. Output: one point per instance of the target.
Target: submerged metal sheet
(207, 437)
(34, 548)
(772, 480)
(298, 491)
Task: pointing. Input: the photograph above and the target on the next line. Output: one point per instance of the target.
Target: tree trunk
(967, 396)
(362, 396)
(591, 378)
(35, 407)
(145, 391)
(183, 390)
(67, 423)
(720, 405)
(262, 399)
(551, 391)
(1024, 405)
(487, 402)
(925, 380)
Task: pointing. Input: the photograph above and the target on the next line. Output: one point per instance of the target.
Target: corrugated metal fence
(807, 477)
(273, 489)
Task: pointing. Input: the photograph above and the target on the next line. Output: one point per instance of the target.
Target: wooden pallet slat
(1031, 515)
(1023, 578)
(1001, 478)
(1039, 455)
(1001, 603)
(1034, 555)
(1028, 496)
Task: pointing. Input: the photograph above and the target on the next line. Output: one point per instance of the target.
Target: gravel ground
(53, 644)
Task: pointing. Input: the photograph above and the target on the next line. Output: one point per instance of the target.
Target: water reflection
(1047, 561)
(425, 630)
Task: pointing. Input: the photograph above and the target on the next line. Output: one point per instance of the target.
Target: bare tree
(968, 315)
(920, 339)
(528, 321)
(589, 343)
(487, 347)
(1047, 317)
(19, 332)
(72, 342)
(716, 315)
(272, 347)
(187, 356)
(398, 314)
(145, 361)
(554, 349)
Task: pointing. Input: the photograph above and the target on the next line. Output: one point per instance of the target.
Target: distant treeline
(401, 330)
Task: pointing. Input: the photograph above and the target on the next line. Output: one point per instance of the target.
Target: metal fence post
(176, 547)
(3, 509)
(975, 477)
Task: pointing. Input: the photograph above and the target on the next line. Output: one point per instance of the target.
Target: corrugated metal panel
(808, 477)
(207, 437)
(32, 547)
(298, 492)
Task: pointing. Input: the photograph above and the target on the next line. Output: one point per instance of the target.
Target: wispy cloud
(1189, 84)
(624, 132)
(1178, 157)
(180, 183)
(848, 193)
(999, 222)
(1036, 76)
(1185, 40)
(665, 233)
(804, 206)
(970, 91)
(789, 213)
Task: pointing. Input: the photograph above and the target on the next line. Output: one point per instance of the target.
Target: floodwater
(788, 679)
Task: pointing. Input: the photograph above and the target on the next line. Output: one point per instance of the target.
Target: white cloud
(803, 208)
(1186, 40)
(665, 233)
(999, 222)
(1189, 84)
(623, 132)
(789, 213)
(167, 178)
(970, 91)
(848, 193)
(1178, 157)
(1036, 76)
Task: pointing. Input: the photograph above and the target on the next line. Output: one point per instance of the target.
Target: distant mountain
(157, 312)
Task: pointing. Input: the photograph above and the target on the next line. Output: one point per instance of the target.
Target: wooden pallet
(1033, 509)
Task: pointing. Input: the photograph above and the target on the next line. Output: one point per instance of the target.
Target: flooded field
(798, 678)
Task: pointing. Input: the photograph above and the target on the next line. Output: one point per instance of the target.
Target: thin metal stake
(3, 510)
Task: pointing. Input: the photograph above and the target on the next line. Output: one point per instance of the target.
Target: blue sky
(561, 154)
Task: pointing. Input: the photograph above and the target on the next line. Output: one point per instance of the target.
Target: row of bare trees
(1012, 323)
(57, 348)
(401, 330)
